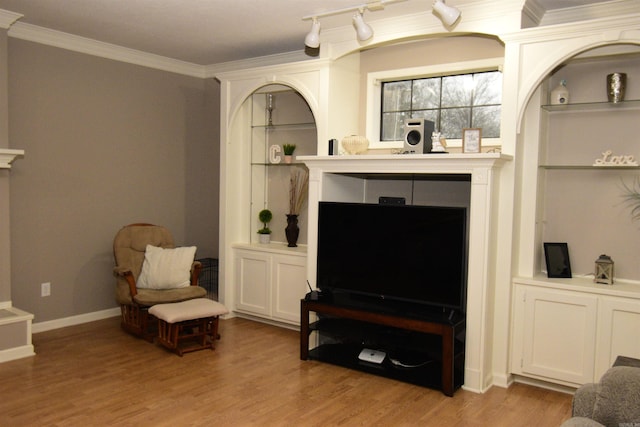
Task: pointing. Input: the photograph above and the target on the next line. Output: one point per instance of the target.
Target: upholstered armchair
(150, 270)
(613, 402)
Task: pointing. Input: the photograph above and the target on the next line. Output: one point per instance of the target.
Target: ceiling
(206, 32)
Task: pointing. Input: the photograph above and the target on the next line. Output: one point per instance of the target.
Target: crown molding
(533, 11)
(591, 11)
(7, 157)
(34, 33)
(261, 61)
(7, 18)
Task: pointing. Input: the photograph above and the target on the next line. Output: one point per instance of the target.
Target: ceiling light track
(371, 6)
(449, 16)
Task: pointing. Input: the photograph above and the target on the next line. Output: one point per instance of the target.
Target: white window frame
(374, 95)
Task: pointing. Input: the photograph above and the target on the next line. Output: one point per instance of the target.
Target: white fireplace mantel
(7, 157)
(335, 178)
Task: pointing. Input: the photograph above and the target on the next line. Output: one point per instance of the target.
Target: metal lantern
(604, 270)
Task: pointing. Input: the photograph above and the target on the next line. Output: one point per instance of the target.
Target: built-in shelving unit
(569, 331)
(290, 121)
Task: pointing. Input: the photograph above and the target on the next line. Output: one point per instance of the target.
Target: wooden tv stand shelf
(435, 349)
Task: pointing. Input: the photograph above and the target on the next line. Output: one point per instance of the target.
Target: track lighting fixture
(449, 15)
(363, 30)
(312, 40)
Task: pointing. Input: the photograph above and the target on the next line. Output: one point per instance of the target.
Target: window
(452, 102)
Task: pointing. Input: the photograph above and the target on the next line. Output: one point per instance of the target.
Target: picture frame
(556, 256)
(471, 140)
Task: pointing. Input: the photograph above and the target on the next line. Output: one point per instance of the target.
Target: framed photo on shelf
(471, 140)
(556, 256)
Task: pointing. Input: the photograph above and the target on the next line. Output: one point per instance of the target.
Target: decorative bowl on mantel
(355, 144)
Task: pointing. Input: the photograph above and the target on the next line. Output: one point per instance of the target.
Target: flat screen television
(394, 255)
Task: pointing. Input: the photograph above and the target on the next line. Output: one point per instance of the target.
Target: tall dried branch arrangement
(298, 189)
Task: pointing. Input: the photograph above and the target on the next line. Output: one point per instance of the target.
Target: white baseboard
(16, 353)
(75, 320)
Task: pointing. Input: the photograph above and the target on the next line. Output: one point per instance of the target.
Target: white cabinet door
(253, 287)
(617, 331)
(559, 334)
(289, 277)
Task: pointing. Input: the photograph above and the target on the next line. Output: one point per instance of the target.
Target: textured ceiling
(206, 32)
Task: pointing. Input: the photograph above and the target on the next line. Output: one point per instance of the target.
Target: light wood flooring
(96, 375)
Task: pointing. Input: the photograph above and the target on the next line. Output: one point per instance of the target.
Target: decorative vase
(288, 158)
(560, 95)
(292, 231)
(616, 84)
(355, 144)
(264, 238)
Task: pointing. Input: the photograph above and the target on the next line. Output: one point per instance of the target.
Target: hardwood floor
(95, 374)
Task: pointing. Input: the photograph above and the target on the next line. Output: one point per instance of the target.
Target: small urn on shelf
(560, 95)
(616, 84)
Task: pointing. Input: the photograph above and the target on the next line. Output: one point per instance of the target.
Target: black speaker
(417, 135)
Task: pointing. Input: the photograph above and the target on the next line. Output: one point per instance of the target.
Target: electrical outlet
(45, 289)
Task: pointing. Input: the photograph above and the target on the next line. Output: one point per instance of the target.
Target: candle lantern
(604, 270)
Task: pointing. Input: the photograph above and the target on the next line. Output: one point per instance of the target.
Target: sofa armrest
(126, 274)
(618, 399)
(581, 422)
(584, 400)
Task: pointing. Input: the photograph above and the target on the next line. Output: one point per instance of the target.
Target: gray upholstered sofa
(613, 402)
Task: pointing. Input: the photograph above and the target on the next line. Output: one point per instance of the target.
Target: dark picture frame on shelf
(556, 256)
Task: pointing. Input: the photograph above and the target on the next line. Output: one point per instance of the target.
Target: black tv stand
(425, 352)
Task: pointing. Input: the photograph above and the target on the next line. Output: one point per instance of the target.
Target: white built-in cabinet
(270, 283)
(570, 334)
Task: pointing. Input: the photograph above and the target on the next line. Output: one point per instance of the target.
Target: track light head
(363, 30)
(449, 15)
(312, 40)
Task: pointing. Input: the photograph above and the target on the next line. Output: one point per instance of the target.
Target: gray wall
(107, 144)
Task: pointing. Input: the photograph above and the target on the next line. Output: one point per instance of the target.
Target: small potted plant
(288, 152)
(265, 217)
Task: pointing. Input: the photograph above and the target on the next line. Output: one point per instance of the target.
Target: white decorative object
(608, 160)
(560, 95)
(274, 154)
(264, 238)
(355, 144)
(436, 143)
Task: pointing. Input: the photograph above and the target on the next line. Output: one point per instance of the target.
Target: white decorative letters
(608, 160)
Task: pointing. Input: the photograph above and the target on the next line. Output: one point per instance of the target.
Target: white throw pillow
(166, 268)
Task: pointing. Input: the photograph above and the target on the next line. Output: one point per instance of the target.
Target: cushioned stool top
(188, 310)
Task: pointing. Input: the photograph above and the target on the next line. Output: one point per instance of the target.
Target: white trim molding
(7, 18)
(36, 34)
(8, 156)
(75, 320)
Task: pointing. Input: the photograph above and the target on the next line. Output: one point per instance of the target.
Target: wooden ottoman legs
(203, 332)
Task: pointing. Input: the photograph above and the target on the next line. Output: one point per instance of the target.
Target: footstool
(192, 323)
